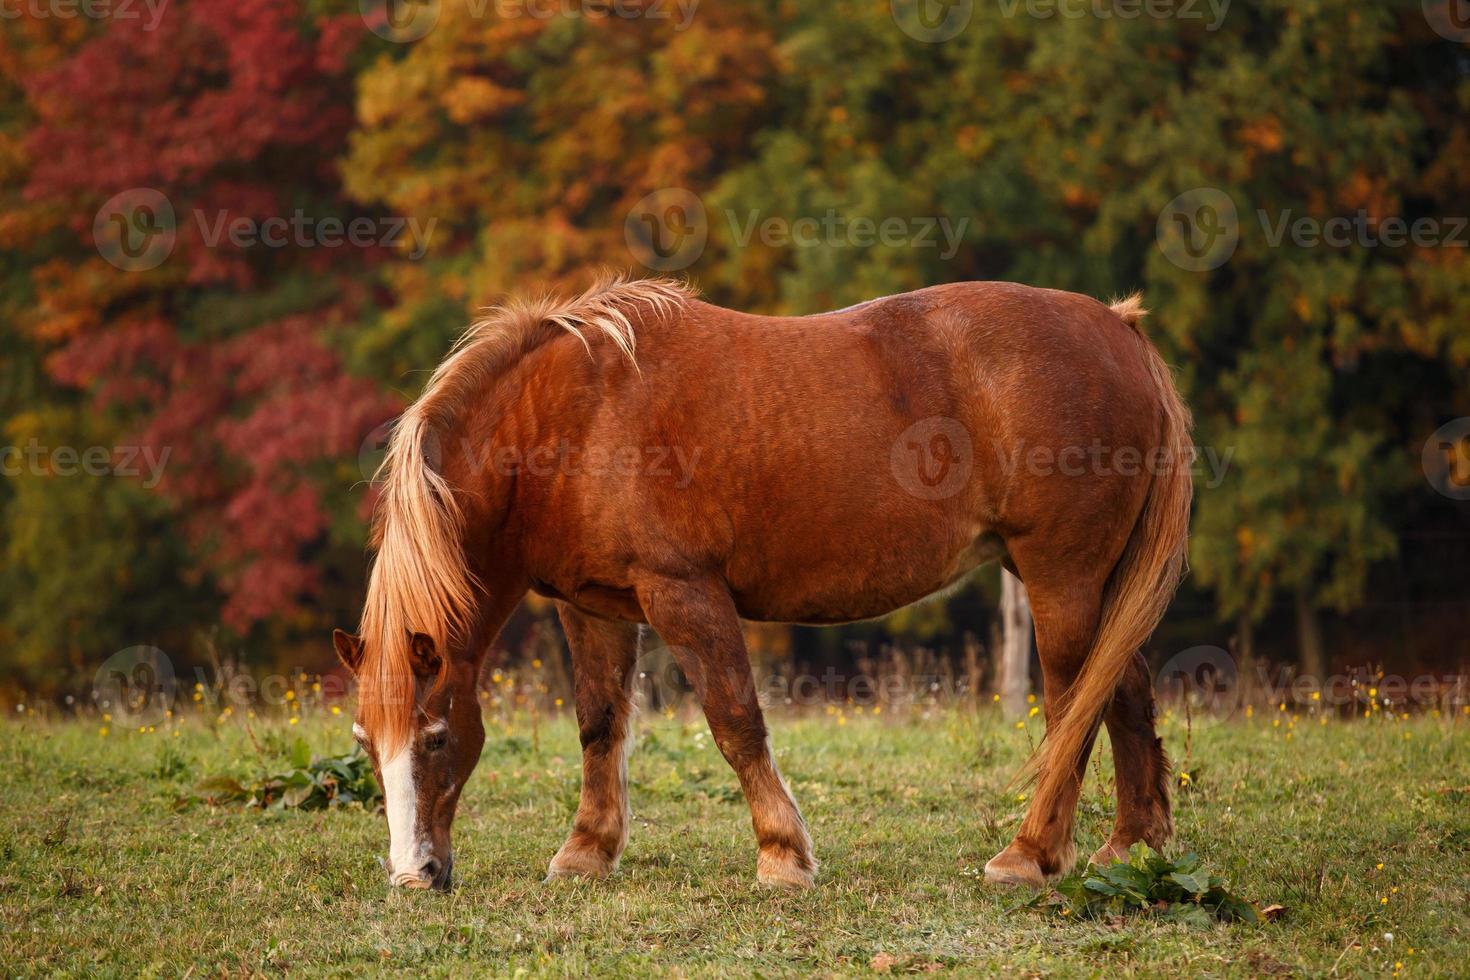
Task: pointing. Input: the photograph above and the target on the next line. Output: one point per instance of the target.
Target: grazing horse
(645, 458)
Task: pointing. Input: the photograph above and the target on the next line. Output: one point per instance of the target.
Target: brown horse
(642, 457)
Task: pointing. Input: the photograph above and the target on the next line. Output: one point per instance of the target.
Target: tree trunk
(1310, 660)
(1245, 656)
(1015, 658)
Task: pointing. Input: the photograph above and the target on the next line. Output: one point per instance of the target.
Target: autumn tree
(222, 353)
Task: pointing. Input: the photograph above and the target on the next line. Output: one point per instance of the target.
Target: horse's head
(420, 723)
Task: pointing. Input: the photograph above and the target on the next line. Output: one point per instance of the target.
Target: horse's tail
(419, 581)
(1140, 587)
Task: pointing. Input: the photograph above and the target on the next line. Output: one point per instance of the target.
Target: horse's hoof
(1011, 868)
(784, 869)
(580, 863)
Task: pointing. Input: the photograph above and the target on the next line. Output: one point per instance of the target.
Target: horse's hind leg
(1066, 614)
(697, 619)
(1140, 766)
(603, 657)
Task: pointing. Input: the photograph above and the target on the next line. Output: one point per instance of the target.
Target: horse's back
(1013, 364)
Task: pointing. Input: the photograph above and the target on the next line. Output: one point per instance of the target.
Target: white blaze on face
(406, 852)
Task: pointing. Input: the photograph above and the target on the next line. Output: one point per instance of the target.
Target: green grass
(99, 873)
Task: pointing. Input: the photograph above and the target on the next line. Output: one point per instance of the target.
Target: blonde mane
(419, 581)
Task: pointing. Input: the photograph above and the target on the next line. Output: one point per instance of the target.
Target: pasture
(1360, 828)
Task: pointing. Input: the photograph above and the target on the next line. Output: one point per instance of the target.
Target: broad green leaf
(1190, 883)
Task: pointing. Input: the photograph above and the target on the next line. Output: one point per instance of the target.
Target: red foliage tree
(224, 354)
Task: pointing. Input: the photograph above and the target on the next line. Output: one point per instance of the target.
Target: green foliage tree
(1065, 139)
(89, 566)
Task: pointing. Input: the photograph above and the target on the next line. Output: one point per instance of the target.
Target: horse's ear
(426, 662)
(349, 649)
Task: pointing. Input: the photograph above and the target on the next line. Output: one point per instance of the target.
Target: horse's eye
(434, 741)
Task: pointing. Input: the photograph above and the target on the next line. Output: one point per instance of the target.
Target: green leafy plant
(311, 783)
(1178, 890)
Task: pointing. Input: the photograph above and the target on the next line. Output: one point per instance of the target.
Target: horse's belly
(855, 582)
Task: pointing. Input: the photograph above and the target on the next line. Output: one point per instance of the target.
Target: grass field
(1360, 828)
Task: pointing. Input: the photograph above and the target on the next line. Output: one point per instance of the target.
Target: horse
(835, 467)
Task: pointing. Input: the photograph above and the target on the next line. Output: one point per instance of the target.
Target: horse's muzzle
(435, 874)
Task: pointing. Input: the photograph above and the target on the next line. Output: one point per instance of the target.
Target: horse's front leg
(697, 619)
(603, 657)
